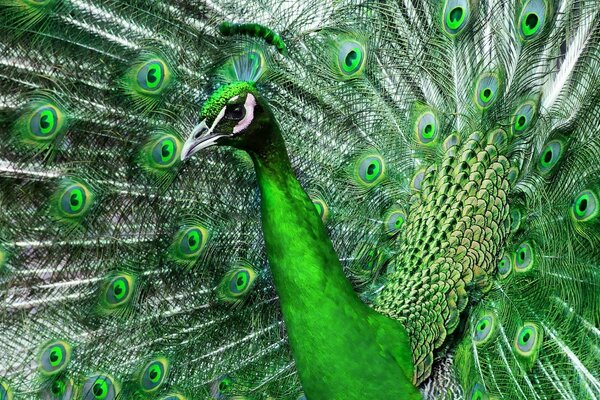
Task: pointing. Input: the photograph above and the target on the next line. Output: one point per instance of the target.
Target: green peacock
(346, 199)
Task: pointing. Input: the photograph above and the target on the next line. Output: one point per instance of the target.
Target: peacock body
(403, 200)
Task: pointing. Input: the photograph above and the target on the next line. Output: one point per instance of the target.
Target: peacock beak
(200, 138)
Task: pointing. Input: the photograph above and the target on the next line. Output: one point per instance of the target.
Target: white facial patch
(249, 106)
(217, 120)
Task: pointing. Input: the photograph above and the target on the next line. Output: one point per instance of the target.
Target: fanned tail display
(451, 150)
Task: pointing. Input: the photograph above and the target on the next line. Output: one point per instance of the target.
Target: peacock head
(234, 115)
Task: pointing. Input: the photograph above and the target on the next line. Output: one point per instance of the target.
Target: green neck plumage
(333, 335)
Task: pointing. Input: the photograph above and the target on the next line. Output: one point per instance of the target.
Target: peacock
(284, 199)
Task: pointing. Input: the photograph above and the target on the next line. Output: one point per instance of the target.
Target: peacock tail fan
(451, 149)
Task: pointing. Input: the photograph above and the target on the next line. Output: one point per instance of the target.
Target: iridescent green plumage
(444, 163)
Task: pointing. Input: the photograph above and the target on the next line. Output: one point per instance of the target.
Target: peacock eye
(483, 329)
(550, 156)
(393, 221)
(220, 386)
(585, 206)
(515, 219)
(235, 112)
(160, 153)
(188, 243)
(504, 266)
(455, 18)
(531, 24)
(100, 390)
(522, 117)
(524, 257)
(426, 127)
(487, 90)
(154, 375)
(165, 151)
(456, 14)
(527, 339)
(44, 122)
(58, 387)
(151, 75)
(237, 283)
(321, 208)
(191, 242)
(486, 94)
(119, 290)
(351, 57)
(75, 200)
(55, 357)
(241, 281)
(99, 387)
(532, 18)
(371, 169)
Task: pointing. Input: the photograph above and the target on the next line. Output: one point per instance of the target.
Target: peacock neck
(333, 335)
(301, 255)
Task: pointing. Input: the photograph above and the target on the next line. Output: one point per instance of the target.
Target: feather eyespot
(321, 207)
(483, 329)
(151, 76)
(146, 81)
(532, 19)
(504, 266)
(221, 386)
(370, 169)
(57, 389)
(456, 16)
(585, 206)
(351, 58)
(74, 200)
(41, 124)
(523, 117)
(100, 387)
(191, 241)
(515, 219)
(426, 127)
(154, 375)
(237, 283)
(394, 220)
(45, 122)
(55, 357)
(119, 290)
(550, 156)
(486, 90)
(524, 257)
(166, 151)
(528, 340)
(188, 243)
